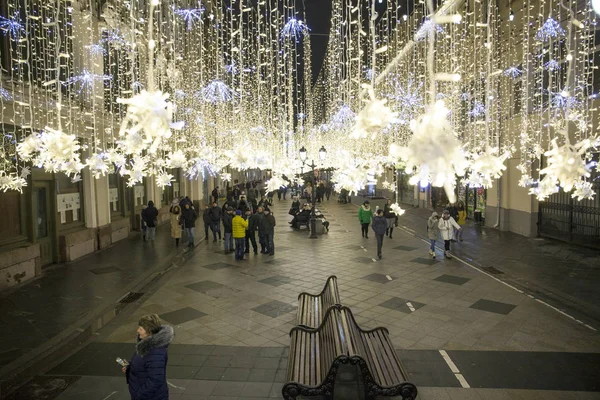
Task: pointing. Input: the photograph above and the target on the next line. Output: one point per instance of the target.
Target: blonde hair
(151, 323)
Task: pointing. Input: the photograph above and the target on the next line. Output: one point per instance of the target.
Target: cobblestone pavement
(232, 321)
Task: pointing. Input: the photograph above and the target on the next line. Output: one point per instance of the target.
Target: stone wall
(76, 244)
(19, 265)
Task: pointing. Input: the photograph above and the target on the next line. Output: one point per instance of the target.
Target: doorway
(43, 222)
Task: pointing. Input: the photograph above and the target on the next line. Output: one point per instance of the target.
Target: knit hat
(238, 212)
(151, 323)
(434, 214)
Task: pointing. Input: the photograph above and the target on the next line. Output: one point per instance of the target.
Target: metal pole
(313, 218)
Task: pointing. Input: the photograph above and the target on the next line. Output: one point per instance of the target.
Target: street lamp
(313, 218)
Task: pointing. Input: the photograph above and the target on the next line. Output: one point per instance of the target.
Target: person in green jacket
(364, 217)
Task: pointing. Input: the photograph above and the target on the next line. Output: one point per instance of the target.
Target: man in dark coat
(150, 216)
(215, 194)
(227, 230)
(379, 226)
(189, 215)
(215, 219)
(207, 221)
(268, 229)
(301, 218)
(261, 236)
(146, 372)
(251, 232)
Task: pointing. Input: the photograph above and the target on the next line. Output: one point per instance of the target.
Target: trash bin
(477, 215)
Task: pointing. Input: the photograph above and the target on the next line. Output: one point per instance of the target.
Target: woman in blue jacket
(147, 371)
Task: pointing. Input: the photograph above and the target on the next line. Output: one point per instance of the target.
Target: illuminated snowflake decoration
(427, 26)
(546, 187)
(137, 86)
(5, 94)
(164, 179)
(225, 176)
(550, 30)
(344, 117)
(566, 165)
(190, 16)
(434, 154)
(583, 190)
(217, 91)
(408, 101)
(177, 159)
(275, 183)
(552, 65)
(11, 182)
(374, 116)
(86, 80)
(96, 50)
(98, 164)
(231, 69)
(148, 122)
(389, 186)
(478, 110)
(396, 209)
(369, 74)
(486, 167)
(560, 101)
(53, 150)
(12, 26)
(513, 72)
(115, 38)
(295, 29)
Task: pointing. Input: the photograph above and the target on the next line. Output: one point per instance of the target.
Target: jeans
(365, 229)
(432, 247)
(216, 228)
(446, 245)
(261, 241)
(250, 239)
(269, 244)
(228, 241)
(150, 233)
(379, 243)
(206, 226)
(190, 235)
(239, 248)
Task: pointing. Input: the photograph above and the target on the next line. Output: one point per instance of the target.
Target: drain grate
(492, 270)
(130, 297)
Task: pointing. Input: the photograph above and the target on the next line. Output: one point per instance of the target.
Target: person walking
(268, 228)
(176, 224)
(146, 373)
(228, 230)
(239, 225)
(390, 218)
(189, 216)
(215, 195)
(215, 219)
(445, 225)
(462, 219)
(379, 227)
(150, 216)
(207, 221)
(364, 217)
(261, 235)
(453, 210)
(433, 232)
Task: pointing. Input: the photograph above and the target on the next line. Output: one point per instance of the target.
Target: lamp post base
(313, 228)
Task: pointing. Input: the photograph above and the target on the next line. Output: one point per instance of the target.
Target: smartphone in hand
(122, 362)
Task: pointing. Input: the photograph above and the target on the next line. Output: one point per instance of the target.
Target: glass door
(43, 222)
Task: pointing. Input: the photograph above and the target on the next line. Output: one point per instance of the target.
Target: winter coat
(453, 212)
(462, 217)
(215, 194)
(239, 225)
(379, 225)
(445, 226)
(268, 224)
(175, 226)
(365, 214)
(243, 206)
(296, 206)
(227, 223)
(387, 211)
(254, 221)
(206, 216)
(258, 220)
(433, 230)
(215, 214)
(147, 370)
(150, 215)
(303, 215)
(189, 217)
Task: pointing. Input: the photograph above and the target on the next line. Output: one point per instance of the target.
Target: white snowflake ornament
(373, 117)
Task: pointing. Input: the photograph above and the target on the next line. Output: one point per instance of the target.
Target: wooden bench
(316, 355)
(313, 307)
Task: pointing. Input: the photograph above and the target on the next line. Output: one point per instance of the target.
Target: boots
(387, 232)
(391, 230)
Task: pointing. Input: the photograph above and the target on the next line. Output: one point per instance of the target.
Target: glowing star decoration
(434, 152)
(98, 165)
(344, 117)
(225, 177)
(12, 26)
(177, 159)
(148, 121)
(96, 50)
(5, 94)
(550, 30)
(53, 150)
(486, 167)
(583, 190)
(478, 110)
(217, 91)
(552, 65)
(427, 26)
(190, 16)
(513, 72)
(566, 165)
(240, 158)
(294, 29)
(388, 186)
(25, 172)
(546, 187)
(275, 183)
(373, 117)
(396, 209)
(87, 80)
(408, 101)
(164, 179)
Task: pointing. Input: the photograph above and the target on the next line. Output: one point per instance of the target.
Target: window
(69, 202)
(114, 195)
